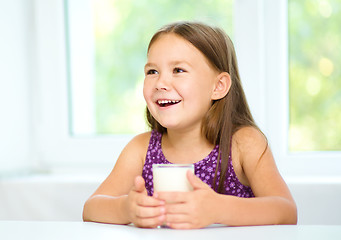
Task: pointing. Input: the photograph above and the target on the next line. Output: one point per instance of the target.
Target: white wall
(61, 198)
(16, 51)
(45, 197)
(318, 201)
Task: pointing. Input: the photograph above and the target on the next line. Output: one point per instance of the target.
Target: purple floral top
(204, 169)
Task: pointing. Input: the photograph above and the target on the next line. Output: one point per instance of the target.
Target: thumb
(139, 185)
(196, 182)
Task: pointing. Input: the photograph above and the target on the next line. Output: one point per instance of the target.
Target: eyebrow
(176, 62)
(149, 65)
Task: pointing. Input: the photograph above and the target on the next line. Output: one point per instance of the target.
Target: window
(314, 78)
(260, 32)
(284, 51)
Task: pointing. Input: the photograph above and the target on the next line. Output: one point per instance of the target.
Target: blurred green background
(315, 75)
(124, 28)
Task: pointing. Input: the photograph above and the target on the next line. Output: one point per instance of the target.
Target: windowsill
(55, 178)
(312, 179)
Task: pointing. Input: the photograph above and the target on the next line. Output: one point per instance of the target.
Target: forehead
(172, 45)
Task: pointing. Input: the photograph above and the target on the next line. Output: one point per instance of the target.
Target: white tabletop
(95, 231)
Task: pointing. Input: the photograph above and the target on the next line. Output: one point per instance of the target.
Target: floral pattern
(204, 169)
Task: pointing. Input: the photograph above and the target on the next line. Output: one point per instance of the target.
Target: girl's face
(179, 83)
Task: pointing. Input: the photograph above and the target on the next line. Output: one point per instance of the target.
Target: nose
(162, 83)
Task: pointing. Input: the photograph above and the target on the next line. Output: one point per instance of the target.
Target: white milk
(171, 177)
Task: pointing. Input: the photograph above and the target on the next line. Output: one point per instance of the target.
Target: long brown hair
(225, 115)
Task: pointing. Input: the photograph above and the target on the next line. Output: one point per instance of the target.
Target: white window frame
(262, 50)
(56, 150)
(267, 92)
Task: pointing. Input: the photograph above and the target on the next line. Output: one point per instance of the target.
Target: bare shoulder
(252, 146)
(128, 165)
(250, 140)
(140, 141)
(258, 164)
(136, 149)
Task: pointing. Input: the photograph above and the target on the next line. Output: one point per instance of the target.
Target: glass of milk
(171, 177)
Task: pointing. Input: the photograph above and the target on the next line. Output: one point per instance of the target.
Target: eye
(178, 70)
(151, 72)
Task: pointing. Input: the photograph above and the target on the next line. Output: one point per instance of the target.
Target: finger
(147, 201)
(172, 197)
(183, 225)
(196, 182)
(152, 222)
(181, 221)
(176, 218)
(149, 212)
(177, 208)
(139, 185)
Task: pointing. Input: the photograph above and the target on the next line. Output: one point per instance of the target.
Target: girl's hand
(186, 210)
(143, 210)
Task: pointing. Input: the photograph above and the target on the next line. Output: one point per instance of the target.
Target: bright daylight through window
(107, 54)
(315, 75)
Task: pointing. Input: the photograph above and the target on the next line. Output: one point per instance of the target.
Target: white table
(27, 230)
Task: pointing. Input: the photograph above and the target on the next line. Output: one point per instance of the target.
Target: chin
(169, 125)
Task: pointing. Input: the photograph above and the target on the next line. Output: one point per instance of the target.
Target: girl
(198, 114)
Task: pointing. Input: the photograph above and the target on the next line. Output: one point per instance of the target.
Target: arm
(122, 197)
(273, 203)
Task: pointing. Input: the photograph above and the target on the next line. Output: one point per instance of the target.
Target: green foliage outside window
(315, 75)
(123, 29)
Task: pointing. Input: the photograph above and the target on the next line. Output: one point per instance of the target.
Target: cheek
(146, 91)
(200, 88)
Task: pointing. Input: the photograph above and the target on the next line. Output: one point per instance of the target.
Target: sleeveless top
(204, 169)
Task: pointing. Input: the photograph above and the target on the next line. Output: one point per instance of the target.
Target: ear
(222, 86)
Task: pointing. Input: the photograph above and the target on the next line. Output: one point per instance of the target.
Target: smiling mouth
(166, 103)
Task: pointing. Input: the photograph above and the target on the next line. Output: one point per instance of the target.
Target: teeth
(167, 101)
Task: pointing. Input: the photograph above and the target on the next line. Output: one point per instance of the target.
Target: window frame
(291, 164)
(262, 52)
(56, 150)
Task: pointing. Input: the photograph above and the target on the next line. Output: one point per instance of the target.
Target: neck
(185, 137)
(185, 146)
